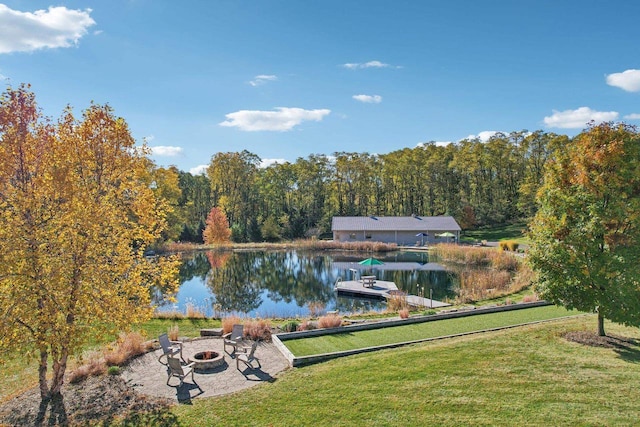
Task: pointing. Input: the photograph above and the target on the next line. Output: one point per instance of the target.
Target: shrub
(113, 370)
(258, 330)
(404, 313)
(530, 298)
(173, 332)
(127, 347)
(397, 302)
(95, 365)
(509, 245)
(290, 326)
(228, 322)
(329, 321)
(307, 325)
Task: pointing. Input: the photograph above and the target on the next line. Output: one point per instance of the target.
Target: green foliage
(113, 370)
(271, 230)
(586, 235)
(290, 326)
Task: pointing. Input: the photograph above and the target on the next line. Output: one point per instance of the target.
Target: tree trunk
(42, 376)
(59, 368)
(601, 324)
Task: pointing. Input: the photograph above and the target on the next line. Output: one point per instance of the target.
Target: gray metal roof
(394, 223)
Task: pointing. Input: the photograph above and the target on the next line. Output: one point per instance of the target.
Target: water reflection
(285, 283)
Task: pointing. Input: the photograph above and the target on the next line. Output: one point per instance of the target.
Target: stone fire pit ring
(207, 360)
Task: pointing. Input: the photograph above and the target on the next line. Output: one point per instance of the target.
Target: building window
(367, 236)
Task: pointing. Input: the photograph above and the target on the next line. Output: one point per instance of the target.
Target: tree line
(479, 183)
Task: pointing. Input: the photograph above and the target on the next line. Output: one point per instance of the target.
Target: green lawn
(528, 376)
(417, 331)
(513, 231)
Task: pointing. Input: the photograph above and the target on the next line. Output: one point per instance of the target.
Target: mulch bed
(105, 400)
(594, 340)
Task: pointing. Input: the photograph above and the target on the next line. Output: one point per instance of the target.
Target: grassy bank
(523, 376)
(417, 331)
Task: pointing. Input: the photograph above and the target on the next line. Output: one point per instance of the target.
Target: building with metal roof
(403, 230)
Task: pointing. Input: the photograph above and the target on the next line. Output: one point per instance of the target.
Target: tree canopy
(586, 233)
(77, 215)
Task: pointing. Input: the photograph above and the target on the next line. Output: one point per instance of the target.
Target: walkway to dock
(383, 289)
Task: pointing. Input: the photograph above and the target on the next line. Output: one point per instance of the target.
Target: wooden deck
(382, 290)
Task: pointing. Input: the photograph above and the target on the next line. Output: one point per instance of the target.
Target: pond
(279, 284)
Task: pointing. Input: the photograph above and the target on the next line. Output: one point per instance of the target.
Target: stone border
(278, 339)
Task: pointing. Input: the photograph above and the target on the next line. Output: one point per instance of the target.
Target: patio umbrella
(446, 234)
(422, 236)
(371, 261)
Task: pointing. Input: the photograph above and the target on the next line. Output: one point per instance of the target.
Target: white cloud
(52, 28)
(282, 119)
(436, 143)
(485, 135)
(577, 119)
(198, 170)
(166, 151)
(262, 79)
(268, 162)
(634, 116)
(370, 64)
(369, 99)
(628, 80)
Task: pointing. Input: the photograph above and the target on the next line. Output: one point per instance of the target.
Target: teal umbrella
(371, 261)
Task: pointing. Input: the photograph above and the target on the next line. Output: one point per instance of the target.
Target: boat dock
(383, 290)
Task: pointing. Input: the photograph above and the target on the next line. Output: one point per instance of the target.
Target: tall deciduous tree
(76, 219)
(586, 234)
(217, 229)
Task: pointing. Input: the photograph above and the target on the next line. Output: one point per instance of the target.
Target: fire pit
(205, 360)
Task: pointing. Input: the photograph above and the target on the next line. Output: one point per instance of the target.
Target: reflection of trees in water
(218, 259)
(291, 276)
(235, 286)
(194, 265)
(438, 281)
(238, 280)
(359, 305)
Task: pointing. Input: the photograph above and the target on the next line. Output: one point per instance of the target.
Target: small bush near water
(258, 330)
(291, 326)
(397, 302)
(329, 321)
(228, 322)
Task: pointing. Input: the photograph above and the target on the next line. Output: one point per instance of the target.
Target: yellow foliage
(77, 217)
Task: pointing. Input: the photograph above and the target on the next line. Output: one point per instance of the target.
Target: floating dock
(381, 289)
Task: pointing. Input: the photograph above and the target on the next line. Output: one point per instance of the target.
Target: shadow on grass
(627, 348)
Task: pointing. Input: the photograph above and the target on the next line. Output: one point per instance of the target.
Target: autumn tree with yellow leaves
(75, 220)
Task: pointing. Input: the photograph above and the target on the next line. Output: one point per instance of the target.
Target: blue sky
(286, 79)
